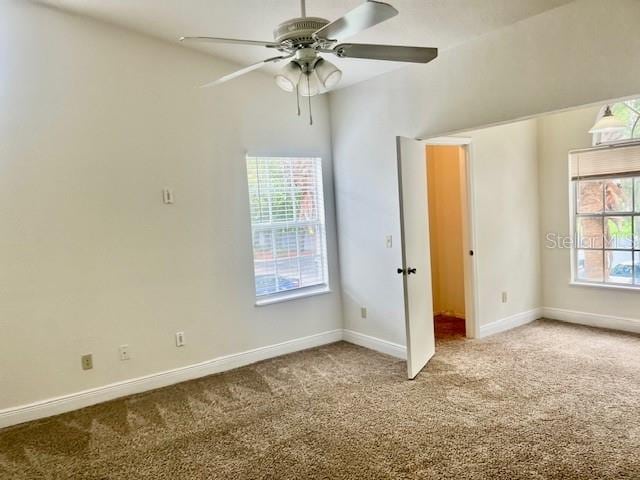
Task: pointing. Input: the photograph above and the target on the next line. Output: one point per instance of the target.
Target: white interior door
(416, 259)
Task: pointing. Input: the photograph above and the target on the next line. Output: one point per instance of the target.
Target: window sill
(606, 286)
(288, 296)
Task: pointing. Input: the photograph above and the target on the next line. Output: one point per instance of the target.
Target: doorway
(446, 186)
(416, 249)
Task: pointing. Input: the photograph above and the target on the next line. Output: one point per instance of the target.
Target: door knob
(410, 271)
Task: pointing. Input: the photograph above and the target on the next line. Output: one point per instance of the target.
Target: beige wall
(504, 169)
(445, 165)
(558, 134)
(545, 63)
(94, 122)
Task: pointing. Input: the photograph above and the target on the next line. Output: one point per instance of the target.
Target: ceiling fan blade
(235, 41)
(367, 15)
(244, 70)
(386, 52)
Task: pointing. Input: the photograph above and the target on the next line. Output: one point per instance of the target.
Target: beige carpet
(547, 400)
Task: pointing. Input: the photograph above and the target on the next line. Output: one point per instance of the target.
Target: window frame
(320, 195)
(576, 247)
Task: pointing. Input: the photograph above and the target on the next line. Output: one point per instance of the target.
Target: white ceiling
(429, 23)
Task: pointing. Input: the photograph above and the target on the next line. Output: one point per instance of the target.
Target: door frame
(472, 327)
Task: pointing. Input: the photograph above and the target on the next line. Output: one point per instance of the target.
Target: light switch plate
(167, 196)
(389, 241)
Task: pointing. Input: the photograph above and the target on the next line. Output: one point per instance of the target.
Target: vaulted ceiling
(430, 23)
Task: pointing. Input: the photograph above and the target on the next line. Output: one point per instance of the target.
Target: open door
(416, 261)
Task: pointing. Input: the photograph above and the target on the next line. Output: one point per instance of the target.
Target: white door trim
(472, 315)
(446, 141)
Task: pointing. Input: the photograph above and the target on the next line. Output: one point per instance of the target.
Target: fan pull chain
(298, 99)
(309, 93)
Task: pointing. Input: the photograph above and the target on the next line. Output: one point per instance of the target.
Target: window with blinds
(606, 215)
(287, 224)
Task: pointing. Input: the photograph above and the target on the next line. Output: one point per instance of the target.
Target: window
(605, 184)
(628, 112)
(287, 225)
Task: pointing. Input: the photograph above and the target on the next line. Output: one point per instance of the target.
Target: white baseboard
(74, 401)
(508, 323)
(624, 324)
(377, 344)
(54, 406)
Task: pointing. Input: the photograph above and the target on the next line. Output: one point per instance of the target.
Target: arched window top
(629, 113)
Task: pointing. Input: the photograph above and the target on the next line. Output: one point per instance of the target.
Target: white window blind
(604, 161)
(287, 223)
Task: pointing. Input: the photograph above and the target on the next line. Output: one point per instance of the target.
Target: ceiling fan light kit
(328, 73)
(287, 79)
(303, 39)
(308, 72)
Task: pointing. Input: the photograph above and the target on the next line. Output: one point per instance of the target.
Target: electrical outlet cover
(87, 361)
(124, 352)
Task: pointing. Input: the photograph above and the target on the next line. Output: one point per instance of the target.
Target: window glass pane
(636, 233)
(286, 244)
(287, 219)
(259, 206)
(265, 273)
(619, 195)
(276, 188)
(619, 267)
(590, 232)
(637, 182)
(311, 270)
(628, 116)
(262, 245)
(590, 265)
(309, 240)
(636, 267)
(618, 232)
(265, 284)
(627, 113)
(288, 274)
(590, 196)
(304, 180)
(311, 262)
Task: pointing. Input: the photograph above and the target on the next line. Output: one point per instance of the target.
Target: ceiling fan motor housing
(299, 31)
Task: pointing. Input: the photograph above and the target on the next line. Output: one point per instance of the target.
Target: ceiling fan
(303, 39)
